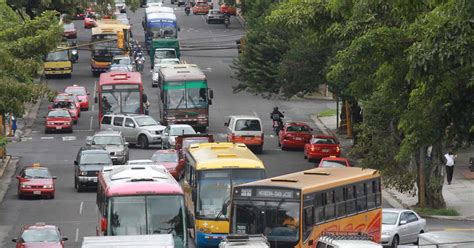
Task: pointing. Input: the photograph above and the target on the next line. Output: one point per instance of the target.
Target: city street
(75, 213)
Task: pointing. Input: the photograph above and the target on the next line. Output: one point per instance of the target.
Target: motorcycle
(226, 21)
(74, 56)
(277, 126)
(139, 65)
(187, 10)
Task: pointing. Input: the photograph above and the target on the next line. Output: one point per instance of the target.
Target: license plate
(325, 150)
(298, 138)
(248, 138)
(36, 192)
(59, 127)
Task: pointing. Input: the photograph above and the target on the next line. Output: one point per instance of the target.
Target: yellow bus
(293, 210)
(108, 39)
(211, 170)
(58, 62)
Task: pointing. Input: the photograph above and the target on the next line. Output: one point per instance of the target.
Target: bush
(440, 211)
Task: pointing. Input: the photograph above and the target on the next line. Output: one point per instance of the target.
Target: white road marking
(80, 207)
(77, 235)
(47, 138)
(95, 92)
(26, 138)
(69, 138)
(90, 127)
(272, 136)
(35, 131)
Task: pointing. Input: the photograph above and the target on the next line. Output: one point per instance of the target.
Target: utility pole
(348, 120)
(421, 178)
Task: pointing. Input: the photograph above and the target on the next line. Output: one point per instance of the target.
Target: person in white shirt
(449, 166)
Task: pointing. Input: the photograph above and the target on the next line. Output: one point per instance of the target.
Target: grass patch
(327, 112)
(441, 211)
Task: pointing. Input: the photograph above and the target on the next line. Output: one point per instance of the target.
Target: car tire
(259, 149)
(279, 144)
(74, 121)
(395, 241)
(143, 141)
(79, 188)
(46, 131)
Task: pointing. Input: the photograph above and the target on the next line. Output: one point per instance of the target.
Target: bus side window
(350, 200)
(330, 207)
(361, 197)
(319, 208)
(308, 216)
(377, 190)
(187, 171)
(371, 194)
(340, 203)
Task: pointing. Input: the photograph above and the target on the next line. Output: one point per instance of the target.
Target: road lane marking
(47, 138)
(26, 138)
(77, 235)
(90, 127)
(95, 92)
(80, 207)
(69, 138)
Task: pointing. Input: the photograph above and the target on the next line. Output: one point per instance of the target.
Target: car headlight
(24, 186)
(50, 123)
(48, 186)
(83, 173)
(119, 153)
(74, 52)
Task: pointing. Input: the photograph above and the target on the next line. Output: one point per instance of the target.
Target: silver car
(215, 16)
(113, 142)
(172, 131)
(401, 226)
(141, 130)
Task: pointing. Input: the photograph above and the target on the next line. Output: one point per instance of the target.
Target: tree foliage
(407, 63)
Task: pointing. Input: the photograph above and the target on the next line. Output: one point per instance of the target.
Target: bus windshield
(186, 96)
(123, 101)
(152, 214)
(58, 56)
(277, 220)
(214, 189)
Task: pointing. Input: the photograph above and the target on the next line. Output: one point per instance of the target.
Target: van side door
(130, 130)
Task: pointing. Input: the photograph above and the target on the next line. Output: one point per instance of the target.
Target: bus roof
(120, 78)
(182, 72)
(208, 156)
(158, 9)
(317, 178)
(139, 179)
(161, 15)
(109, 27)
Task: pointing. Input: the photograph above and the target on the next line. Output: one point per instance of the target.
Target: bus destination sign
(275, 193)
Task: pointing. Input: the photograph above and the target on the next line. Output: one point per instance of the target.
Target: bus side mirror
(95, 99)
(224, 208)
(211, 94)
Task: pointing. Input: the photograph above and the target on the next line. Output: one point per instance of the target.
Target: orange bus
(293, 210)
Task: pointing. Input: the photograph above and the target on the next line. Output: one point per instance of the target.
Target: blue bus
(161, 25)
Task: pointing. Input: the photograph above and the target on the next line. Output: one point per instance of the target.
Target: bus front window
(279, 221)
(214, 190)
(127, 216)
(197, 97)
(121, 102)
(187, 98)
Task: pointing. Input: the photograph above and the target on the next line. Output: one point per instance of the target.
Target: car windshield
(40, 235)
(121, 61)
(76, 91)
(297, 129)
(68, 26)
(277, 220)
(323, 141)
(95, 158)
(333, 164)
(154, 214)
(214, 189)
(37, 173)
(176, 131)
(58, 56)
(164, 157)
(64, 98)
(59, 114)
(389, 218)
(107, 140)
(146, 121)
(247, 125)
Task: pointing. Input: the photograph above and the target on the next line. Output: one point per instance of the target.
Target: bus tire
(143, 141)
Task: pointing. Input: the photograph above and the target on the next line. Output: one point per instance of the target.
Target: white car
(158, 64)
(401, 226)
(172, 131)
(140, 162)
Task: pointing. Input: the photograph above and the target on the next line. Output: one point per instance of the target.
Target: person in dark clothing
(276, 115)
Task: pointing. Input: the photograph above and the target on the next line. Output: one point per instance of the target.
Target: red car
(40, 235)
(70, 31)
(89, 21)
(82, 95)
(201, 7)
(294, 135)
(35, 181)
(58, 120)
(65, 97)
(227, 9)
(334, 162)
(321, 146)
(170, 160)
(69, 106)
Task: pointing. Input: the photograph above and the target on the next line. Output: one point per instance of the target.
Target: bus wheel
(143, 141)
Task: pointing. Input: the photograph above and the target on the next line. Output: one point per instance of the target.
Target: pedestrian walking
(449, 166)
(13, 125)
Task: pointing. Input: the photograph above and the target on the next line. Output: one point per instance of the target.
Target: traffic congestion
(145, 145)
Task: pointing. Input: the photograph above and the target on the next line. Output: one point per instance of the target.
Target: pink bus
(141, 200)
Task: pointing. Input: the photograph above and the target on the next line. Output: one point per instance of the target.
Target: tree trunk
(434, 178)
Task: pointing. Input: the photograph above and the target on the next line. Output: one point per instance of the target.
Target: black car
(88, 164)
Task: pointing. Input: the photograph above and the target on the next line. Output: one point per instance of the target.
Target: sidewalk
(459, 195)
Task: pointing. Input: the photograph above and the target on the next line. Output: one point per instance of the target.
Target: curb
(6, 178)
(6, 162)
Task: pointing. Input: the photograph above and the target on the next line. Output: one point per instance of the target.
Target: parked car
(334, 162)
(81, 93)
(215, 16)
(58, 120)
(70, 31)
(228, 9)
(113, 142)
(35, 180)
(89, 162)
(245, 129)
(141, 130)
(321, 146)
(40, 235)
(294, 135)
(170, 160)
(172, 131)
(401, 226)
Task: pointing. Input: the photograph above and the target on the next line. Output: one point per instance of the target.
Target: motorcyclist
(140, 61)
(226, 19)
(276, 115)
(187, 7)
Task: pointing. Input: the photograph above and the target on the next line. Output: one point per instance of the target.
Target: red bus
(141, 200)
(120, 93)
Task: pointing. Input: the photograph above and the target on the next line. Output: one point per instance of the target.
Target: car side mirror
(75, 163)
(403, 222)
(126, 143)
(65, 238)
(211, 94)
(18, 177)
(15, 240)
(226, 124)
(95, 99)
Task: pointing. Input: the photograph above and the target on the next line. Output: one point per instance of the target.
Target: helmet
(275, 108)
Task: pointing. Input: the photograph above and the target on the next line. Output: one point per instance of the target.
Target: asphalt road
(75, 213)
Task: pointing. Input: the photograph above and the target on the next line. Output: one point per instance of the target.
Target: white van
(245, 129)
